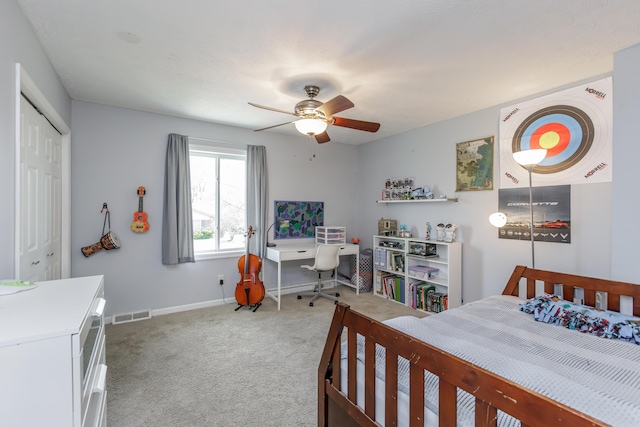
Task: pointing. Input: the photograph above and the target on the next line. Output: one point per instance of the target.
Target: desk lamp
(270, 245)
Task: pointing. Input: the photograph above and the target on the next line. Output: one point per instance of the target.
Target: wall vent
(131, 317)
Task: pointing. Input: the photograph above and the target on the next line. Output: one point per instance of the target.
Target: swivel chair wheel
(337, 294)
(335, 302)
(299, 297)
(310, 304)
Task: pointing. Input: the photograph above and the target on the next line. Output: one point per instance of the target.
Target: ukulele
(140, 224)
(249, 290)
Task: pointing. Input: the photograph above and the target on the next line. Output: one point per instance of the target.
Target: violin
(249, 290)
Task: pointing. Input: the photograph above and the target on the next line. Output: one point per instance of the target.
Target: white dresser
(52, 355)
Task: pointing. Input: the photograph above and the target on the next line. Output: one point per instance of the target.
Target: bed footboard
(492, 393)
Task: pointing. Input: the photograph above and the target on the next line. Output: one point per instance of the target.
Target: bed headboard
(606, 293)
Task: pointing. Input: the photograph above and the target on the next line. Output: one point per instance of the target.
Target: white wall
(19, 44)
(116, 150)
(428, 154)
(626, 157)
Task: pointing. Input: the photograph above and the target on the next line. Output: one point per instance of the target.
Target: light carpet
(219, 367)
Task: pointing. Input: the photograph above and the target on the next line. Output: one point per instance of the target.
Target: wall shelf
(450, 200)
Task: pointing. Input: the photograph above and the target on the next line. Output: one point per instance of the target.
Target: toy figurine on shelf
(440, 233)
(450, 232)
(428, 235)
(403, 231)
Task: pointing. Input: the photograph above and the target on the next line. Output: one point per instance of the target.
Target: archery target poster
(574, 125)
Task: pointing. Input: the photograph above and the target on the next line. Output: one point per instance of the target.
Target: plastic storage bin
(331, 235)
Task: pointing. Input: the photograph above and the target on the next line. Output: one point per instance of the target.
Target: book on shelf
(396, 261)
(388, 285)
(424, 293)
(399, 291)
(378, 283)
(438, 302)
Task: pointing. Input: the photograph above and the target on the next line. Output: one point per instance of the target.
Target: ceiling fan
(314, 116)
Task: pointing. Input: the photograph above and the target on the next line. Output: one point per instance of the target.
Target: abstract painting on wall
(296, 219)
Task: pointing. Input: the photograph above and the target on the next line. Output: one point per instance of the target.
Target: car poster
(551, 213)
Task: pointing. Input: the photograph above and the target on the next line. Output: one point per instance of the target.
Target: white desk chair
(327, 259)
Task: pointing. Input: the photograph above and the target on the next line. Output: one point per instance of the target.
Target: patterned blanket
(599, 377)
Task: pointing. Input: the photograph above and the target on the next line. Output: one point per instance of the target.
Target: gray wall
(18, 44)
(116, 150)
(626, 154)
(428, 154)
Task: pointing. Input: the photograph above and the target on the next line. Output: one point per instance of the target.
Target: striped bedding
(597, 376)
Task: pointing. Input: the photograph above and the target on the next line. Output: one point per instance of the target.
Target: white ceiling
(403, 63)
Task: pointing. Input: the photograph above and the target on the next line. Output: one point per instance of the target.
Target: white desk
(290, 252)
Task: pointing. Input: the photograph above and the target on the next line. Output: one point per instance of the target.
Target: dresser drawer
(97, 404)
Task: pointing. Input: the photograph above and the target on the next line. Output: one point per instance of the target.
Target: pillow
(550, 308)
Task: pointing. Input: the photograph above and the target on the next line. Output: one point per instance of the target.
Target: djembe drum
(108, 241)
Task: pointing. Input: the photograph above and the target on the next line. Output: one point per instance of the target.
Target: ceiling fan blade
(274, 126)
(335, 105)
(271, 109)
(355, 124)
(322, 137)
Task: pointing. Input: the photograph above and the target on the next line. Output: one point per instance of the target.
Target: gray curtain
(257, 197)
(177, 226)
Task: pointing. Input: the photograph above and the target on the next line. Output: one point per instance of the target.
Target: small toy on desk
(355, 240)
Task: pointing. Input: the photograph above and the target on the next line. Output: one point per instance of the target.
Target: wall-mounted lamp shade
(310, 126)
(530, 157)
(498, 219)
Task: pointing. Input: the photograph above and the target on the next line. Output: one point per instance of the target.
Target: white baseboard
(285, 290)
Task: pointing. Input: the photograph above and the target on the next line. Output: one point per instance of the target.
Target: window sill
(218, 255)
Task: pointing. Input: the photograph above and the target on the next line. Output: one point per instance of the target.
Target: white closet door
(52, 199)
(40, 196)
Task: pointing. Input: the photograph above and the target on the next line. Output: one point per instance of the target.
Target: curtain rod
(216, 141)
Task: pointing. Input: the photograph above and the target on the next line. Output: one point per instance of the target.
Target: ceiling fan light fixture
(310, 126)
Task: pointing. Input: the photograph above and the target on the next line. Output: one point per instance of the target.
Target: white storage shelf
(397, 271)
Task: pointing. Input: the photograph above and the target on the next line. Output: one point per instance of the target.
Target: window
(218, 198)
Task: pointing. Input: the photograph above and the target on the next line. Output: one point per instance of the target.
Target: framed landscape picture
(474, 165)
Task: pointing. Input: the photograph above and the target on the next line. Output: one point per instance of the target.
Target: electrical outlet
(221, 279)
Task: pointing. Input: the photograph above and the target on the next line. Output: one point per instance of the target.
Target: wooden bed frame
(492, 392)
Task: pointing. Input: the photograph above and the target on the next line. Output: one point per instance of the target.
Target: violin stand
(249, 306)
(255, 306)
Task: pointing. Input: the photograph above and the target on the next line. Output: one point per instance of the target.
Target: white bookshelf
(401, 267)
